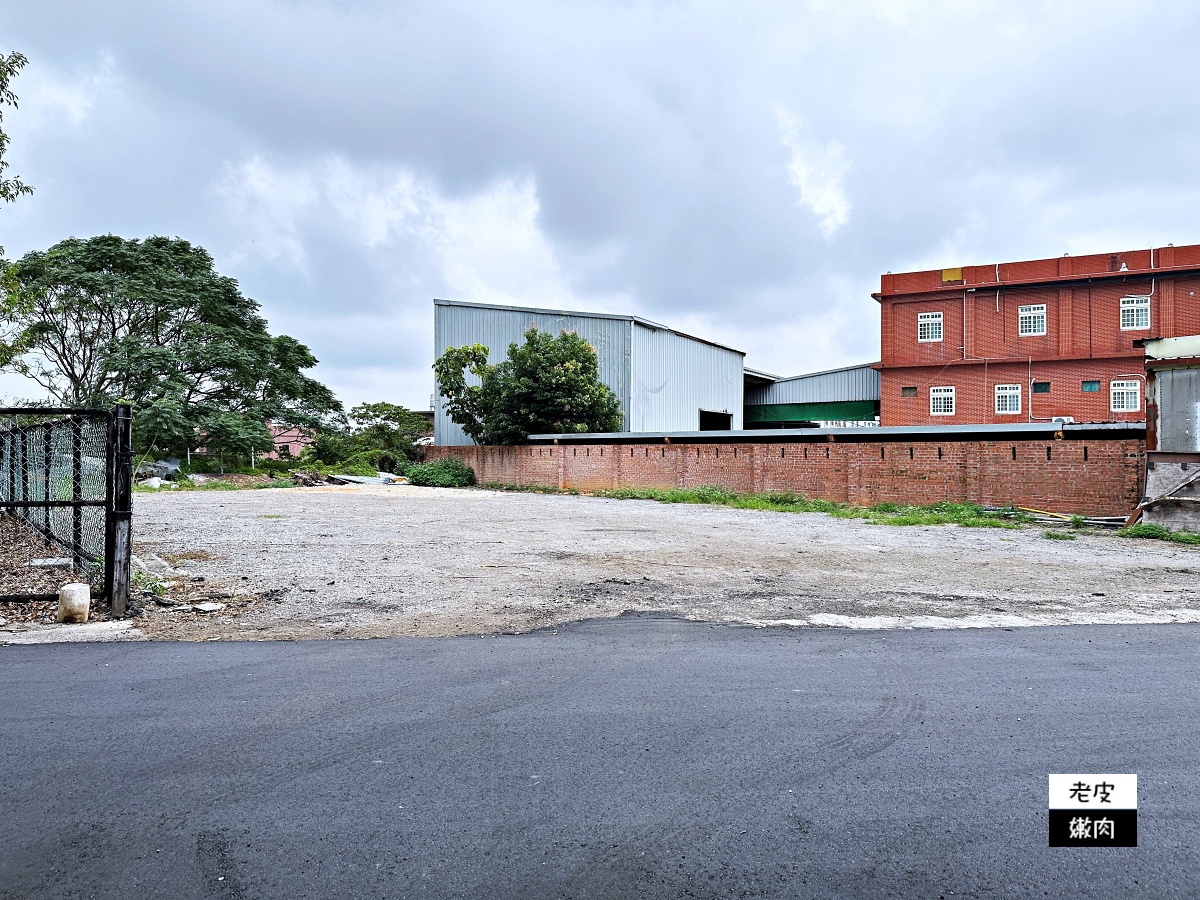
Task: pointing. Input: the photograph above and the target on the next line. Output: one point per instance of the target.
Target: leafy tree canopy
(382, 434)
(151, 323)
(10, 188)
(546, 385)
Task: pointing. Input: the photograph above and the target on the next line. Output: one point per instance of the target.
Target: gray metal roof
(859, 382)
(827, 372)
(584, 315)
(756, 376)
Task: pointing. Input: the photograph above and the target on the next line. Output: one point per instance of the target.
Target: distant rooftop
(826, 372)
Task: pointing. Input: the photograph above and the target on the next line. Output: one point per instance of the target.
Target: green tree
(10, 188)
(548, 385)
(391, 429)
(383, 433)
(153, 324)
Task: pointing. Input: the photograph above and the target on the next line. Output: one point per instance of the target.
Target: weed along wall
(1090, 476)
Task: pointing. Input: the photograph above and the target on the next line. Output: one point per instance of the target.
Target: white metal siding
(856, 383)
(455, 326)
(674, 377)
(1178, 409)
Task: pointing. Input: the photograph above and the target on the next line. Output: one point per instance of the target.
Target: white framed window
(941, 401)
(1031, 320)
(1008, 398)
(1125, 396)
(929, 327)
(1135, 313)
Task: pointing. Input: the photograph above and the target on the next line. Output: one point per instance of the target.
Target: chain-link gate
(65, 485)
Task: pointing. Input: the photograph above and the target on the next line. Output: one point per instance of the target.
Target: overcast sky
(743, 171)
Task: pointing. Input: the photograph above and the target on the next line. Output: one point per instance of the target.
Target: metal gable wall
(455, 325)
(675, 376)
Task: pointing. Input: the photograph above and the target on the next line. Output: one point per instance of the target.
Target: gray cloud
(746, 170)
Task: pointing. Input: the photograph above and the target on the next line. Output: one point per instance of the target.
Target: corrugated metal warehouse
(665, 380)
(849, 394)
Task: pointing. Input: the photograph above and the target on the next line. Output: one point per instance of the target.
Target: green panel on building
(844, 411)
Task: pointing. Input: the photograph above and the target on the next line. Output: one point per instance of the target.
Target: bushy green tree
(10, 188)
(382, 433)
(450, 471)
(547, 385)
(152, 323)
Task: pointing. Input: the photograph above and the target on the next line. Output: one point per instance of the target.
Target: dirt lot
(380, 561)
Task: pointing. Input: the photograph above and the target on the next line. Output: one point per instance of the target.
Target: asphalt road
(619, 758)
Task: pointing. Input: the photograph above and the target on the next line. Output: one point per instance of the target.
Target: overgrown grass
(528, 488)
(449, 471)
(214, 485)
(968, 515)
(1058, 536)
(1148, 530)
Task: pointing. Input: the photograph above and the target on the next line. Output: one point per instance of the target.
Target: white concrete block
(74, 602)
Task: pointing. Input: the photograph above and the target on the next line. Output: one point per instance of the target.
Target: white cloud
(486, 246)
(265, 204)
(816, 171)
(399, 241)
(50, 96)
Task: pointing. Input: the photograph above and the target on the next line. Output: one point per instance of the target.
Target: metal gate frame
(117, 503)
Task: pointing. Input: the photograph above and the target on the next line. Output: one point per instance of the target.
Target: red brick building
(1031, 341)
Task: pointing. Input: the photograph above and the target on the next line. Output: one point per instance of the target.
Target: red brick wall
(975, 386)
(1083, 338)
(1043, 474)
(1080, 322)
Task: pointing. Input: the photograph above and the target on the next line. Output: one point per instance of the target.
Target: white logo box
(1080, 791)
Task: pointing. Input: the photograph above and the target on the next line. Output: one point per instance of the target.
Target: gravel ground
(378, 561)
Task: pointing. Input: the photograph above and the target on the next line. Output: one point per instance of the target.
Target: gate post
(120, 516)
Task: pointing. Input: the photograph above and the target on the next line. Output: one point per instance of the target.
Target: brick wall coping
(1058, 281)
(914, 433)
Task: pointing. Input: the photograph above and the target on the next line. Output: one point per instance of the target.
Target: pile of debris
(153, 474)
(313, 479)
(160, 584)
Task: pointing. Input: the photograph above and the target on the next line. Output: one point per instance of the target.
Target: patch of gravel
(374, 561)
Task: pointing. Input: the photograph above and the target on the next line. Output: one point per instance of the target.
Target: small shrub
(276, 483)
(365, 463)
(147, 583)
(449, 471)
(1159, 532)
(1146, 530)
